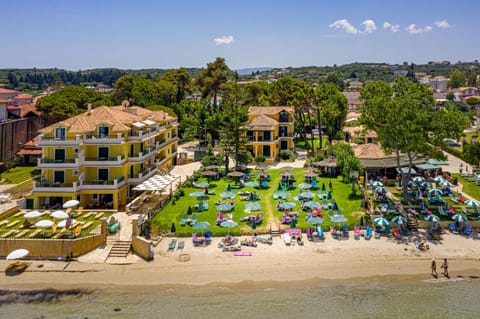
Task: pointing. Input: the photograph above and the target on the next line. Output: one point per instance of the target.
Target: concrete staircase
(120, 249)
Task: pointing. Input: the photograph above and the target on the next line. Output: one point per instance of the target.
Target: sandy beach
(331, 260)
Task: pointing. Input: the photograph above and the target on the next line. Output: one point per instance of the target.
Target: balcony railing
(143, 175)
(138, 136)
(58, 163)
(46, 187)
(141, 156)
(114, 160)
(103, 139)
(59, 141)
(285, 135)
(103, 184)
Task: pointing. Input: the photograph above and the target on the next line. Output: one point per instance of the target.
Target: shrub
(287, 155)
(260, 158)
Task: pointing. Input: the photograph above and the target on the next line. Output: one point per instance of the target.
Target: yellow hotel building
(270, 130)
(97, 157)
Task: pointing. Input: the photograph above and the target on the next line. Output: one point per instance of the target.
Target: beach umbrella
(305, 185)
(338, 219)
(470, 202)
(71, 203)
(63, 223)
(310, 174)
(225, 207)
(209, 173)
(253, 206)
(18, 254)
(213, 166)
(202, 185)
(252, 184)
(201, 226)
(418, 179)
(412, 184)
(227, 194)
(308, 195)
(173, 229)
(459, 218)
(381, 221)
(287, 205)
(377, 184)
(59, 214)
(32, 214)
(287, 174)
(197, 194)
(44, 223)
(283, 194)
(236, 174)
(288, 168)
(435, 192)
(381, 190)
(400, 220)
(426, 185)
(446, 184)
(312, 204)
(438, 179)
(315, 221)
(432, 218)
(229, 224)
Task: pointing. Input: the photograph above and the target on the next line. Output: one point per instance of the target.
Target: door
(103, 174)
(59, 155)
(103, 153)
(266, 151)
(284, 145)
(59, 177)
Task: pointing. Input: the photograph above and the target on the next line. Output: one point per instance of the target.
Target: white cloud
(442, 24)
(345, 25)
(392, 27)
(369, 26)
(224, 40)
(412, 29)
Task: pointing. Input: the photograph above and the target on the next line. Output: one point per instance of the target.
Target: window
(132, 150)
(266, 151)
(103, 153)
(284, 145)
(59, 155)
(283, 131)
(267, 136)
(103, 131)
(131, 171)
(59, 177)
(250, 135)
(60, 133)
(283, 117)
(103, 174)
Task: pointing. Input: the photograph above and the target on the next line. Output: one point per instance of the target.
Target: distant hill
(249, 71)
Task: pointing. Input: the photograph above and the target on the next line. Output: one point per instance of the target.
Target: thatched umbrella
(213, 167)
(287, 174)
(288, 168)
(310, 174)
(236, 174)
(209, 174)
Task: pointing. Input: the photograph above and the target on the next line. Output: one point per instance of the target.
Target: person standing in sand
(445, 267)
(434, 267)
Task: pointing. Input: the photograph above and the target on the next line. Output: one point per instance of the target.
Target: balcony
(286, 135)
(46, 187)
(251, 139)
(103, 139)
(109, 161)
(161, 144)
(64, 163)
(59, 141)
(141, 135)
(142, 156)
(143, 175)
(103, 185)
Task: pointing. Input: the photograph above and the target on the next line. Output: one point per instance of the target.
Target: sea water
(455, 298)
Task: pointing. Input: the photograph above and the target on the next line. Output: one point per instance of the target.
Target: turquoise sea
(356, 299)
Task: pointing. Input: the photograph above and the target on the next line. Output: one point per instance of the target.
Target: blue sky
(247, 33)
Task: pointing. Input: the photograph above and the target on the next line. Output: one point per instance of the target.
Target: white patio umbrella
(418, 179)
(59, 214)
(435, 192)
(381, 221)
(71, 203)
(33, 214)
(459, 218)
(432, 218)
(45, 223)
(446, 184)
(472, 203)
(18, 254)
(63, 223)
(400, 220)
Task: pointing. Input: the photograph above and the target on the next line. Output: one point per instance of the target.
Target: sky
(139, 34)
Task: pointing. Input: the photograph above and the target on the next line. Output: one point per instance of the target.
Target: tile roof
(22, 97)
(27, 108)
(262, 123)
(119, 117)
(356, 131)
(269, 110)
(2, 90)
(370, 151)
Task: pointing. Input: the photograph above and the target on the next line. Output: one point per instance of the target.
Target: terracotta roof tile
(269, 110)
(27, 108)
(370, 151)
(262, 123)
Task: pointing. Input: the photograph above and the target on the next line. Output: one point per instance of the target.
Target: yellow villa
(270, 130)
(98, 157)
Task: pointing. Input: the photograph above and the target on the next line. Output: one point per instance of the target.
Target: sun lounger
(468, 230)
(60, 234)
(232, 248)
(172, 244)
(3, 222)
(378, 232)
(7, 234)
(35, 233)
(404, 231)
(453, 228)
(15, 222)
(263, 240)
(345, 231)
(99, 215)
(464, 209)
(368, 233)
(442, 211)
(78, 231)
(87, 225)
(287, 239)
(184, 220)
(334, 232)
(356, 232)
(18, 214)
(193, 221)
(88, 215)
(309, 233)
(208, 238)
(181, 244)
(21, 234)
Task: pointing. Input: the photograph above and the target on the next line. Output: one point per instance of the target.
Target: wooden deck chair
(35, 233)
(21, 234)
(60, 234)
(78, 231)
(3, 222)
(99, 215)
(20, 213)
(15, 222)
(7, 234)
(87, 225)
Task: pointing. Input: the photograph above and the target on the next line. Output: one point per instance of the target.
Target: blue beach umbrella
(225, 207)
(284, 194)
(197, 194)
(438, 179)
(380, 190)
(400, 220)
(229, 224)
(287, 205)
(435, 192)
(201, 226)
(253, 206)
(252, 184)
(381, 221)
(227, 194)
(338, 219)
(426, 185)
(459, 218)
(312, 204)
(432, 218)
(446, 184)
(202, 185)
(418, 179)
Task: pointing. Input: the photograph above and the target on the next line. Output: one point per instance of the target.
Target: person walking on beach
(445, 267)
(434, 267)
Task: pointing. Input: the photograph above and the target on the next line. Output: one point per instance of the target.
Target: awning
(426, 166)
(404, 170)
(436, 162)
(149, 122)
(138, 124)
(156, 183)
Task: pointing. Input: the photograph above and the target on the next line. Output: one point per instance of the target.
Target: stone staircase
(411, 224)
(274, 230)
(120, 248)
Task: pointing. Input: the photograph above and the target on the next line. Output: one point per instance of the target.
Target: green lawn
(19, 174)
(173, 212)
(300, 143)
(468, 187)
